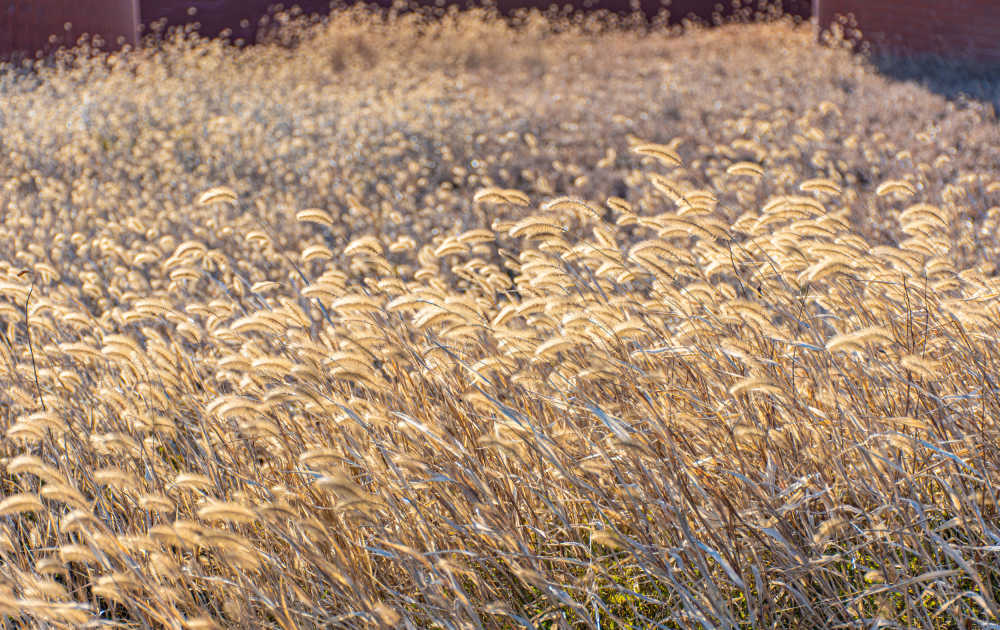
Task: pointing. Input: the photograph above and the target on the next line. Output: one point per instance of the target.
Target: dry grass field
(454, 324)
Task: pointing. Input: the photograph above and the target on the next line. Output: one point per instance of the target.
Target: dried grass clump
(596, 329)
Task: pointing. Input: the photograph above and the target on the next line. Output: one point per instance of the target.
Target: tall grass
(595, 328)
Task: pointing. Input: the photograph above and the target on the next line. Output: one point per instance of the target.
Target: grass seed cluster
(454, 323)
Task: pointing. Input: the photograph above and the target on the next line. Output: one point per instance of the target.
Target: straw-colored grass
(462, 325)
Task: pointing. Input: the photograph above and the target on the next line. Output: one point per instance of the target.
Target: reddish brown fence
(241, 16)
(964, 28)
(33, 25)
(967, 28)
(30, 25)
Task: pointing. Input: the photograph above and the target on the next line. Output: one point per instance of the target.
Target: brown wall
(964, 28)
(25, 25)
(216, 15)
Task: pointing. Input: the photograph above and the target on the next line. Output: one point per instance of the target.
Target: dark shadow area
(955, 79)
